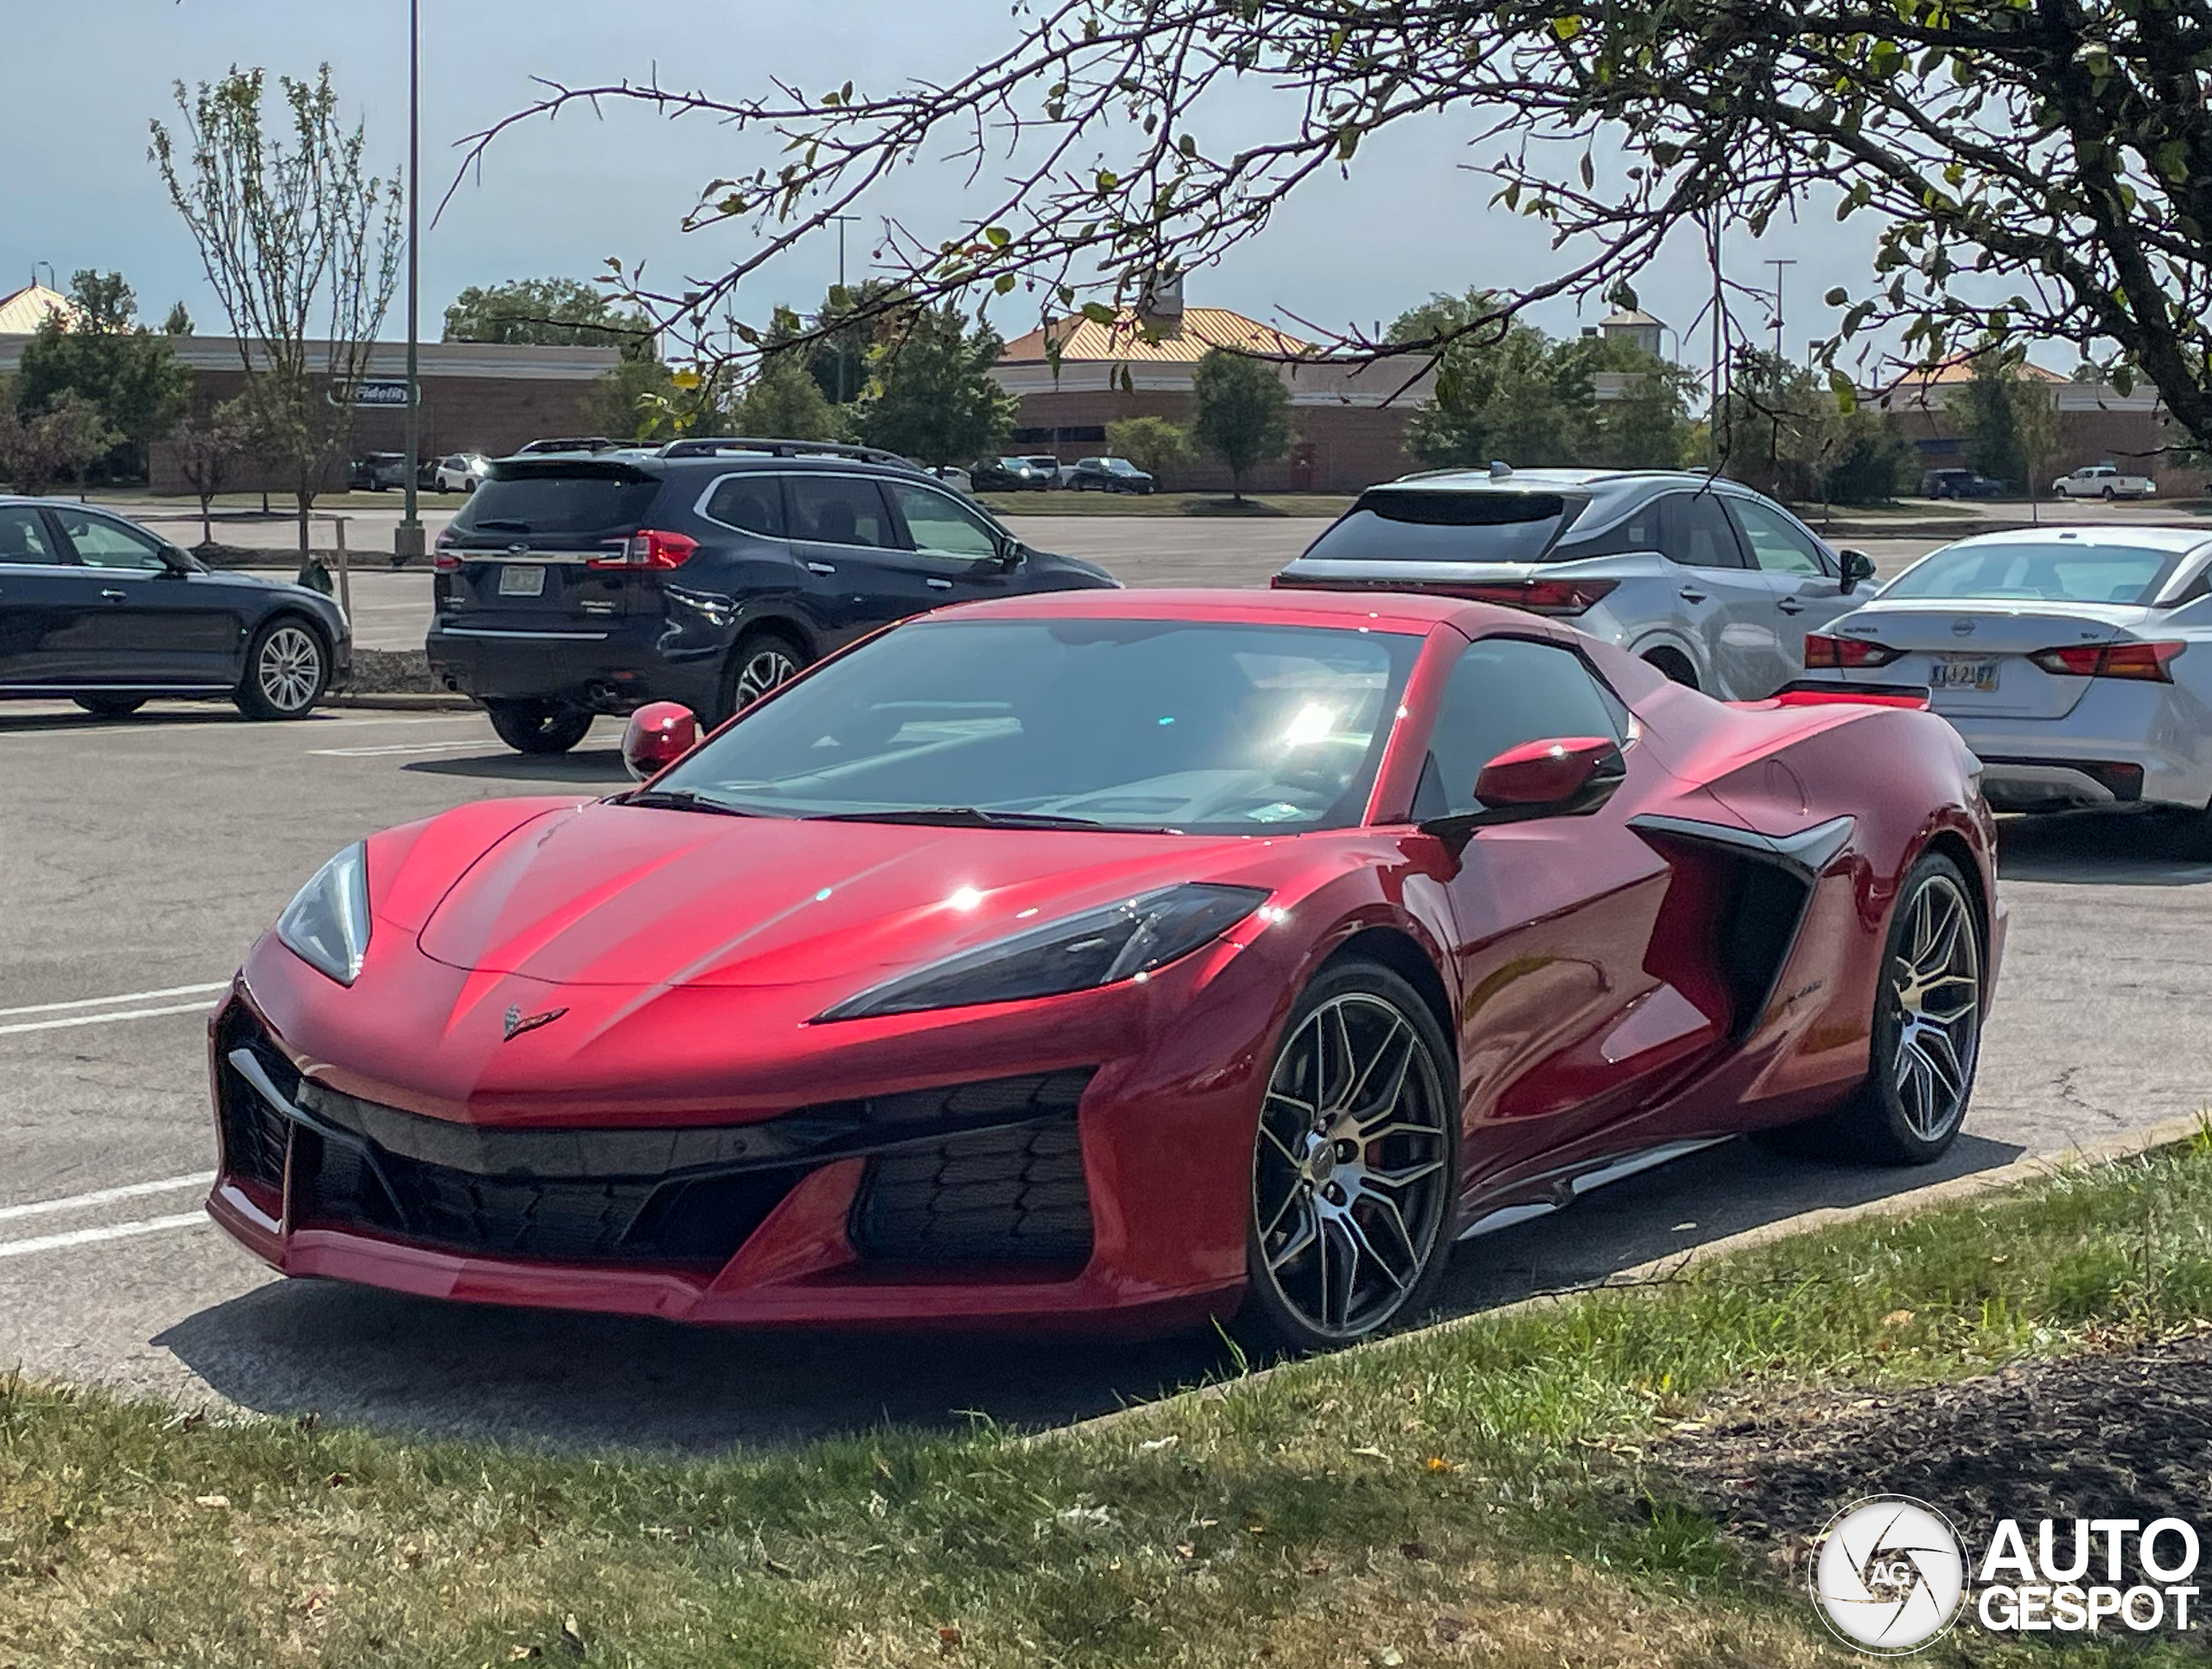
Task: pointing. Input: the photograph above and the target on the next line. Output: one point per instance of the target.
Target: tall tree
(930, 395)
(1240, 412)
(100, 353)
(1502, 393)
(1154, 445)
(295, 234)
(1987, 416)
(38, 448)
(550, 313)
(2039, 167)
(785, 402)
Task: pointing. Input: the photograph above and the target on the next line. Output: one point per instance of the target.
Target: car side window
(1776, 545)
(1695, 531)
(23, 537)
(839, 510)
(1503, 692)
(103, 543)
(753, 502)
(940, 526)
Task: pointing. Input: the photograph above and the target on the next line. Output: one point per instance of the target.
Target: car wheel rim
(1349, 1183)
(763, 673)
(1935, 984)
(290, 667)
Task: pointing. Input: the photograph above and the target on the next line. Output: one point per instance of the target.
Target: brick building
(1350, 419)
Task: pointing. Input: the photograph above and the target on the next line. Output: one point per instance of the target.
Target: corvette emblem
(516, 1022)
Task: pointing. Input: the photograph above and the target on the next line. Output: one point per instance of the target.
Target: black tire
(1299, 1206)
(1675, 666)
(2107, 495)
(539, 727)
(1906, 1112)
(762, 659)
(110, 707)
(287, 670)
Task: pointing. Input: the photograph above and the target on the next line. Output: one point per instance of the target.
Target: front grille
(1012, 1196)
(685, 1197)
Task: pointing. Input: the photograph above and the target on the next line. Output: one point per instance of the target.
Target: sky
(557, 199)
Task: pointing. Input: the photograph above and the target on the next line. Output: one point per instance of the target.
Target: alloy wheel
(1935, 984)
(290, 669)
(1349, 1182)
(763, 671)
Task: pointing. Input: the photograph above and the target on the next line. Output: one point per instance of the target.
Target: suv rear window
(572, 500)
(1396, 524)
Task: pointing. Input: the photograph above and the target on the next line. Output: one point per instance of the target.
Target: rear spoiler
(1811, 692)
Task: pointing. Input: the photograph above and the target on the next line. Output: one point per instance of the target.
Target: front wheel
(761, 661)
(2107, 495)
(539, 727)
(287, 669)
(1355, 1166)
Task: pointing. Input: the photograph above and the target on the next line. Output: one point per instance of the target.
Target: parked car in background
(461, 471)
(2103, 481)
(1107, 475)
(953, 476)
(378, 471)
(98, 609)
(1709, 581)
(1054, 472)
(706, 573)
(1959, 483)
(2075, 661)
(1014, 475)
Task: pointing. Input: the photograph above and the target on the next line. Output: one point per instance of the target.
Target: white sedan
(461, 472)
(2075, 661)
(2103, 481)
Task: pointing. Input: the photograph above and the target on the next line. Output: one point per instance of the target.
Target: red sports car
(1110, 957)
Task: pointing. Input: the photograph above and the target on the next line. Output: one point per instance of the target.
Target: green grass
(1470, 1494)
(1329, 504)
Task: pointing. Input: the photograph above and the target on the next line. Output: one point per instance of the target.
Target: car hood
(610, 894)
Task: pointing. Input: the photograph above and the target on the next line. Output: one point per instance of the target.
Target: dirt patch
(2114, 1436)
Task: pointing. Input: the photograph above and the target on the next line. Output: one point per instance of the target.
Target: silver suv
(1714, 584)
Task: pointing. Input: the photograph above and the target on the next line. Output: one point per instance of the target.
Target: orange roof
(1959, 368)
(1171, 342)
(22, 313)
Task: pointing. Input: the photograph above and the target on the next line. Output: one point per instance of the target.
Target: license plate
(517, 580)
(1956, 673)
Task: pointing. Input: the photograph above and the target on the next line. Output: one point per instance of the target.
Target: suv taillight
(2110, 661)
(648, 547)
(1565, 598)
(443, 557)
(1824, 653)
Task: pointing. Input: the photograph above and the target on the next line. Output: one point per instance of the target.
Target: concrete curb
(2034, 1167)
(402, 701)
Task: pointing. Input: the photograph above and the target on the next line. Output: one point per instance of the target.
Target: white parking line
(89, 1237)
(478, 742)
(123, 997)
(101, 1196)
(102, 1019)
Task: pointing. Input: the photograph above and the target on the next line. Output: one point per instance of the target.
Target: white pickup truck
(2103, 481)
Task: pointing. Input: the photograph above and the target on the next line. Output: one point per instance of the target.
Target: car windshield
(1122, 466)
(1127, 724)
(1397, 524)
(2039, 573)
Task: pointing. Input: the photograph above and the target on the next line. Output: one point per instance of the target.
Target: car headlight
(327, 923)
(1078, 953)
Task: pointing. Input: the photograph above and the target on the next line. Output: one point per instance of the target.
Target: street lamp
(407, 538)
(842, 346)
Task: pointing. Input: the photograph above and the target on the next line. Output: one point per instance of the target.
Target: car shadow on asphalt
(416, 1365)
(584, 765)
(2105, 848)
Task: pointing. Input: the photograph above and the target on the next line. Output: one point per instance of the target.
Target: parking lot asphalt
(139, 859)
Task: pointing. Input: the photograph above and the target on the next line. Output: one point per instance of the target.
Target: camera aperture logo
(1889, 1574)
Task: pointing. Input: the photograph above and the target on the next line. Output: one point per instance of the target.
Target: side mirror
(1559, 777)
(1858, 567)
(658, 734)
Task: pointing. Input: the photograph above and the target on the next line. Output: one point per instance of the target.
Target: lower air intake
(1009, 1195)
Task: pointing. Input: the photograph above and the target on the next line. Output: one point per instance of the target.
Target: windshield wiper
(503, 526)
(967, 816)
(679, 799)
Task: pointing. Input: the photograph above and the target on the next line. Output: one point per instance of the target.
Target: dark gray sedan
(98, 609)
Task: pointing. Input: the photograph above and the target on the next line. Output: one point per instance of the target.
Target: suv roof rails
(710, 445)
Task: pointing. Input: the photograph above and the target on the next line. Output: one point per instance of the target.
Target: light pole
(407, 539)
(1781, 364)
(841, 219)
(52, 282)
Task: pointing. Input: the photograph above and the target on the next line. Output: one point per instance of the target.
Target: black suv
(705, 572)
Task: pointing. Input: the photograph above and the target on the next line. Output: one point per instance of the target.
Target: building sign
(383, 392)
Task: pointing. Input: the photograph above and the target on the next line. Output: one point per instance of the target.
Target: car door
(1561, 1030)
(1722, 603)
(1805, 582)
(961, 555)
(156, 623)
(854, 550)
(43, 600)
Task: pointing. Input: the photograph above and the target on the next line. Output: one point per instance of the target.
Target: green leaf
(1003, 282)
(997, 237)
(1107, 181)
(1566, 26)
(1837, 297)
(1589, 171)
(1098, 313)
(1847, 396)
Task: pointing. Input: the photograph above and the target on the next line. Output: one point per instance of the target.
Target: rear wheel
(110, 707)
(287, 669)
(1674, 664)
(761, 661)
(1355, 1167)
(539, 727)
